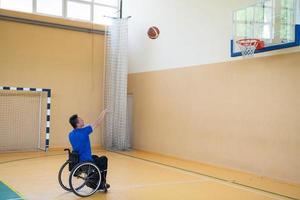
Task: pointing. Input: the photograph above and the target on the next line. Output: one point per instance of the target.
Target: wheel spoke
(89, 171)
(80, 187)
(92, 175)
(92, 184)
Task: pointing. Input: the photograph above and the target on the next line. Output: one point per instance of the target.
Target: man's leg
(101, 162)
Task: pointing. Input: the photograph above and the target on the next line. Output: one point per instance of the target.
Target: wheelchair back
(73, 159)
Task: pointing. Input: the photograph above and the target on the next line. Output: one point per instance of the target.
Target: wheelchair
(83, 178)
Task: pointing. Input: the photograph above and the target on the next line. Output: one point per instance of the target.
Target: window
(113, 3)
(77, 10)
(273, 21)
(287, 20)
(18, 5)
(255, 21)
(50, 7)
(97, 11)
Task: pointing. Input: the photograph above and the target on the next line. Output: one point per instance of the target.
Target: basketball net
(247, 47)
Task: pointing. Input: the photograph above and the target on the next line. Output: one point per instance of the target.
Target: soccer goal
(24, 119)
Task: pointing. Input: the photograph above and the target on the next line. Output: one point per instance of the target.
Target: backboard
(275, 22)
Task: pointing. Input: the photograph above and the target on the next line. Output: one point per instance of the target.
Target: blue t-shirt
(80, 141)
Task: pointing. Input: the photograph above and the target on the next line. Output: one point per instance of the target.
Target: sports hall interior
(205, 125)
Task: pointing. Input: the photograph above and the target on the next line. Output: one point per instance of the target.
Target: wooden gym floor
(140, 175)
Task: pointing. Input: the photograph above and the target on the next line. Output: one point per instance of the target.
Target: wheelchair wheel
(63, 176)
(85, 179)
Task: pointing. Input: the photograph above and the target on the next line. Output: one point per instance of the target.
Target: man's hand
(99, 119)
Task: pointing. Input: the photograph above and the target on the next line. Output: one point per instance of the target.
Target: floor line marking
(15, 191)
(209, 176)
(29, 158)
(35, 157)
(251, 190)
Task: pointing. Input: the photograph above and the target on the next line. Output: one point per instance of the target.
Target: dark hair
(74, 120)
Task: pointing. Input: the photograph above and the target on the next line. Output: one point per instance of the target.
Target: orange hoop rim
(248, 41)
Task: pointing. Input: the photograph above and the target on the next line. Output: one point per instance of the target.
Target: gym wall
(240, 114)
(36, 56)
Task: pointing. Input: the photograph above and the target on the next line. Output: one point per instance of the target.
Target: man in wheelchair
(80, 141)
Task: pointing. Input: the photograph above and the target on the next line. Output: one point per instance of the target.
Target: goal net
(22, 120)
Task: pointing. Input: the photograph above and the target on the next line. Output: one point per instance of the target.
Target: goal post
(24, 118)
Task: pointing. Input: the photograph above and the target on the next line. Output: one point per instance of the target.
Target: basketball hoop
(248, 46)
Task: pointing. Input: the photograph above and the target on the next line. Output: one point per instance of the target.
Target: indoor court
(143, 100)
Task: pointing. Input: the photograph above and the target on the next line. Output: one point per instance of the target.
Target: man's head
(76, 122)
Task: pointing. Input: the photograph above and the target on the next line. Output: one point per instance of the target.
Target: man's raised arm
(99, 119)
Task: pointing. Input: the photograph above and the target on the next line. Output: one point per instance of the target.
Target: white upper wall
(193, 32)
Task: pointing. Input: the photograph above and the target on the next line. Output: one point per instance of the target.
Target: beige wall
(240, 114)
(35, 56)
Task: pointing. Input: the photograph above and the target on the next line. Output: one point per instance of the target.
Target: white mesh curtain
(115, 136)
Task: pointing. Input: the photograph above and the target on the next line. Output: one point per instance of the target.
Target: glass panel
(268, 3)
(259, 15)
(288, 4)
(240, 30)
(241, 15)
(18, 5)
(51, 7)
(100, 12)
(287, 20)
(268, 15)
(259, 29)
(287, 16)
(108, 2)
(249, 14)
(249, 30)
(267, 32)
(77, 10)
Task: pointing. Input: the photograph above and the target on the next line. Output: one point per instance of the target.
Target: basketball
(153, 32)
